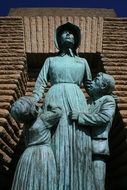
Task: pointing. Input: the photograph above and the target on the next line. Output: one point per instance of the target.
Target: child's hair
(21, 110)
(108, 83)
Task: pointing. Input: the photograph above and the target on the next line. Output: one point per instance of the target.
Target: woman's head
(67, 39)
(68, 34)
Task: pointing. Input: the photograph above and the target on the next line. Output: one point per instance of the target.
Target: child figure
(36, 169)
(99, 119)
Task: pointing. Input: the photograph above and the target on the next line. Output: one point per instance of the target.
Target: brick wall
(12, 83)
(86, 12)
(114, 57)
(40, 32)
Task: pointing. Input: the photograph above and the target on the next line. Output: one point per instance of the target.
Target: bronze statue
(71, 143)
(101, 112)
(80, 131)
(36, 169)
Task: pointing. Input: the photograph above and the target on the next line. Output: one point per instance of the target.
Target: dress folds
(71, 143)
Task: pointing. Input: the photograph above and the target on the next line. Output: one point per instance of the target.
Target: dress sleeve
(104, 115)
(87, 80)
(41, 82)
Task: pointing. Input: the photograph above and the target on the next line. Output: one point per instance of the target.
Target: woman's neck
(67, 51)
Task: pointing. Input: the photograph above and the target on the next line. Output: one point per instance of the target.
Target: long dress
(36, 169)
(71, 143)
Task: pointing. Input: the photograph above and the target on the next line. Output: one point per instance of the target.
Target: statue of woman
(36, 169)
(71, 143)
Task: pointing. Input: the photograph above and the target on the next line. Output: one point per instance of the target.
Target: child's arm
(52, 117)
(107, 110)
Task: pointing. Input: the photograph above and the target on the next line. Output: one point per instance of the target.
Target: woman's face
(67, 37)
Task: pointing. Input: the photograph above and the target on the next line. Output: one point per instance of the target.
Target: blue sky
(120, 6)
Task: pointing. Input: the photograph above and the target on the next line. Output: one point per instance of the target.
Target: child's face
(98, 81)
(97, 85)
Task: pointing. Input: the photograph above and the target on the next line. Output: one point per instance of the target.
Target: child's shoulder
(108, 98)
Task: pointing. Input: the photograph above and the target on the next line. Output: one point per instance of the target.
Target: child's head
(22, 109)
(103, 84)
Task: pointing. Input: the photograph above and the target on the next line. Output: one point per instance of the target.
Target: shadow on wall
(6, 177)
(36, 60)
(115, 178)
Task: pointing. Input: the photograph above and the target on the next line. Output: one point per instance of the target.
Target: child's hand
(55, 109)
(73, 115)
